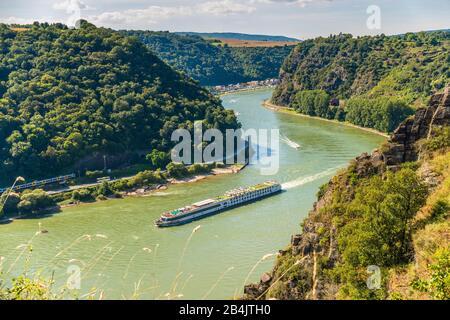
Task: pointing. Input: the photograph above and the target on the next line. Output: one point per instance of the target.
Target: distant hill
(212, 64)
(239, 36)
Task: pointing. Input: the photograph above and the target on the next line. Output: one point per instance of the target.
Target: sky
(302, 19)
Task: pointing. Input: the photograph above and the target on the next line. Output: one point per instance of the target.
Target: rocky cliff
(402, 145)
(296, 274)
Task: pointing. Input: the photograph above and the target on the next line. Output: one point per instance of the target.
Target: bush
(198, 169)
(104, 189)
(120, 185)
(35, 200)
(220, 165)
(176, 170)
(440, 210)
(82, 195)
(10, 205)
(439, 140)
(439, 283)
(95, 174)
(23, 288)
(145, 178)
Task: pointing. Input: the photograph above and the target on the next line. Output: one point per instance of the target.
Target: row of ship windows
(249, 196)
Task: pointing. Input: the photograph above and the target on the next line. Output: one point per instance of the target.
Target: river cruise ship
(213, 206)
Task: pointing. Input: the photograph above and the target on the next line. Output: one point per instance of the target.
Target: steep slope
(379, 80)
(214, 65)
(71, 94)
(388, 211)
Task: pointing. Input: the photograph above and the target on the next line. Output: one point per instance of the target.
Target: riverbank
(232, 169)
(133, 192)
(267, 104)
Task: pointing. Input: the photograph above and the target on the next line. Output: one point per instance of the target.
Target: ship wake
(304, 180)
(289, 142)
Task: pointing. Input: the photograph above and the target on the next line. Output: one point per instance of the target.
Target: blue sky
(297, 18)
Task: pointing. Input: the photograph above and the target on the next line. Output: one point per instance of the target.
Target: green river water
(127, 255)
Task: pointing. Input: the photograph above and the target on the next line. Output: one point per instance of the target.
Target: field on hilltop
(237, 43)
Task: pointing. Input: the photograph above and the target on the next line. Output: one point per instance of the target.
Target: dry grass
(19, 29)
(427, 240)
(440, 165)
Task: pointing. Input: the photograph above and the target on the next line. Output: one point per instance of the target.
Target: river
(127, 257)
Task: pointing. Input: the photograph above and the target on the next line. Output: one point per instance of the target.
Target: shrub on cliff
(438, 286)
(440, 140)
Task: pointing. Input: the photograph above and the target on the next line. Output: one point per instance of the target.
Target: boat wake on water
(304, 180)
(289, 142)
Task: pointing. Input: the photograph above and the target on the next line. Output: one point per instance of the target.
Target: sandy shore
(287, 110)
(214, 172)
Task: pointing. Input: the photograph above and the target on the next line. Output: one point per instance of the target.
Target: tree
(158, 159)
(380, 232)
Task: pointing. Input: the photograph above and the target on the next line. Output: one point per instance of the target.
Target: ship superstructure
(208, 207)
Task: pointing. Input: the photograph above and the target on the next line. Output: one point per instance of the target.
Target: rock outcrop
(402, 144)
(307, 247)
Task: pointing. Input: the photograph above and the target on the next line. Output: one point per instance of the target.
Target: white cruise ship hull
(219, 207)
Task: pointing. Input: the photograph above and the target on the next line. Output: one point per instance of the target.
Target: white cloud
(16, 20)
(300, 3)
(154, 14)
(224, 7)
(150, 15)
(70, 6)
(73, 9)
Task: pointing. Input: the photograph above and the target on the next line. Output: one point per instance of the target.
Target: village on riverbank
(246, 86)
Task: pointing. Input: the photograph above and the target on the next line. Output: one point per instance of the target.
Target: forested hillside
(380, 229)
(379, 80)
(211, 64)
(66, 94)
